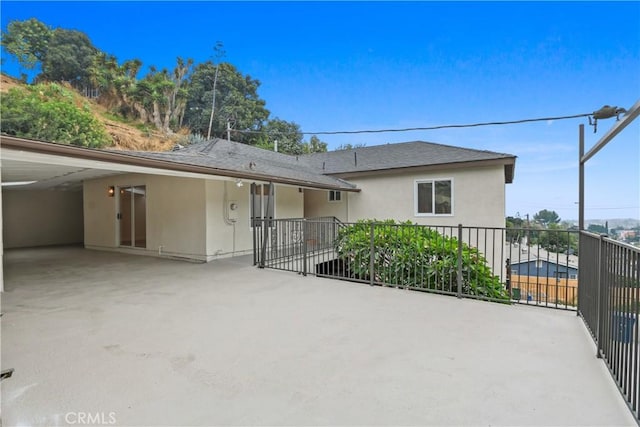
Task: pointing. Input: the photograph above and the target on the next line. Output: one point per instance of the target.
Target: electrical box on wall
(232, 209)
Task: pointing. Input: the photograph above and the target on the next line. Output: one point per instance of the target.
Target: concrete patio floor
(143, 341)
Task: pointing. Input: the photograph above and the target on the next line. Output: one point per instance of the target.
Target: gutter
(506, 162)
(58, 149)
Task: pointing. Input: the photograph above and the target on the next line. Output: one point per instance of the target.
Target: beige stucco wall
(225, 237)
(316, 204)
(175, 214)
(40, 218)
(289, 202)
(478, 201)
(187, 218)
(478, 197)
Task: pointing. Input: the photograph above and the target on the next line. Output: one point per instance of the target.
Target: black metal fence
(534, 267)
(609, 304)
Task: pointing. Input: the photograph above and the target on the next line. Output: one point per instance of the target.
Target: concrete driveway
(110, 339)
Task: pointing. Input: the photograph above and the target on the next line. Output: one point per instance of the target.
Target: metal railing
(477, 262)
(609, 303)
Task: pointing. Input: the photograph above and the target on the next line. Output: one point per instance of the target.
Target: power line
(454, 126)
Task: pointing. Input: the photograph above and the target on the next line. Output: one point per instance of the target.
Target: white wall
(41, 217)
(478, 197)
(316, 203)
(184, 217)
(175, 214)
(289, 202)
(225, 237)
(478, 201)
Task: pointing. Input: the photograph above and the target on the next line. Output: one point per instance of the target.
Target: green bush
(408, 255)
(48, 112)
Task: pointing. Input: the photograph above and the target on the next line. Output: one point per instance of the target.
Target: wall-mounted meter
(232, 210)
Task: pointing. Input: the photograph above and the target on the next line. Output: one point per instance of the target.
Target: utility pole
(219, 54)
(213, 104)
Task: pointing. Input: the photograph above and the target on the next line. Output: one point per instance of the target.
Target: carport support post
(304, 247)
(372, 249)
(580, 200)
(459, 262)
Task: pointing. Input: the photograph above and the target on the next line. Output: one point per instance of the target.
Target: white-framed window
(573, 276)
(433, 197)
(334, 195)
(262, 203)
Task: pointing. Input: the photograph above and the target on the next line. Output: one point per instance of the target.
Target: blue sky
(371, 65)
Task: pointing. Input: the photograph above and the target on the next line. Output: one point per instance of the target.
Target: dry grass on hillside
(124, 136)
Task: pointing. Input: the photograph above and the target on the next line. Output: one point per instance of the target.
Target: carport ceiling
(48, 176)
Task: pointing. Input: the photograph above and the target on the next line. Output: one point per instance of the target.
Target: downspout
(347, 206)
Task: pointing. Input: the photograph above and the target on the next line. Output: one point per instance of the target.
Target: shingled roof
(403, 155)
(249, 162)
(325, 168)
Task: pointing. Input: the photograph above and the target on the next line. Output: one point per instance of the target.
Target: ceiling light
(17, 183)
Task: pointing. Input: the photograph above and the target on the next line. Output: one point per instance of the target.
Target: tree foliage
(315, 145)
(546, 217)
(287, 134)
(558, 240)
(114, 82)
(514, 225)
(168, 99)
(48, 112)
(160, 97)
(597, 228)
(27, 41)
(237, 100)
(68, 57)
(412, 256)
(350, 146)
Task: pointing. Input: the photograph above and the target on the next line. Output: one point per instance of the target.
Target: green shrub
(48, 112)
(408, 255)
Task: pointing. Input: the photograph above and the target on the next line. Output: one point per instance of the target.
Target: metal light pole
(604, 113)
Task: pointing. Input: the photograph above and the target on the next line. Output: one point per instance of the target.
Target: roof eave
(53, 148)
(508, 162)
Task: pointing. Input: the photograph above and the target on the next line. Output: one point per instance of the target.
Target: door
(132, 216)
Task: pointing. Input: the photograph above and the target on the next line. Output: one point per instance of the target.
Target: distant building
(543, 276)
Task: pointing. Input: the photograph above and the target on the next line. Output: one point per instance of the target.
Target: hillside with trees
(189, 102)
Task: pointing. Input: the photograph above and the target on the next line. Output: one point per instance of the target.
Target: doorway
(132, 216)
